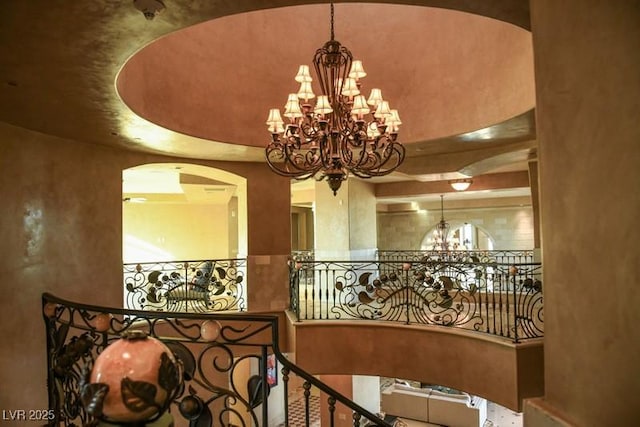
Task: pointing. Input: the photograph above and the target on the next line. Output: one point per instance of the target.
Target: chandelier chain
(332, 33)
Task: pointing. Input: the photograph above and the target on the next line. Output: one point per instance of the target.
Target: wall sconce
(460, 184)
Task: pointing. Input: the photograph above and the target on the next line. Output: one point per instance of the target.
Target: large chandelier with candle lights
(343, 132)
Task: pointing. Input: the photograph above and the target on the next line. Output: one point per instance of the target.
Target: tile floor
(297, 414)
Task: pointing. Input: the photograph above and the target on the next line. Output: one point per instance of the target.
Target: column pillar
(535, 207)
(587, 65)
(345, 224)
(269, 241)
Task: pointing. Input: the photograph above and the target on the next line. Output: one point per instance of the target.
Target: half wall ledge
(483, 365)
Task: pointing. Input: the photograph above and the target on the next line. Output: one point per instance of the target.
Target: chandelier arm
(395, 155)
(283, 159)
(289, 174)
(308, 161)
(366, 164)
(326, 152)
(392, 150)
(370, 159)
(309, 128)
(359, 161)
(312, 132)
(346, 154)
(354, 141)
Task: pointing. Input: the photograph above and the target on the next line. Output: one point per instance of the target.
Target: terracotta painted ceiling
(198, 80)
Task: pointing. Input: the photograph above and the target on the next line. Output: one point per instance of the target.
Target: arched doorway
(181, 211)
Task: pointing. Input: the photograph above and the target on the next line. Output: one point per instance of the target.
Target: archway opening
(178, 211)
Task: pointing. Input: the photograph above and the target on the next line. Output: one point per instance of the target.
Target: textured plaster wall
(510, 228)
(343, 416)
(185, 231)
(477, 363)
(362, 216)
(331, 222)
(345, 224)
(587, 66)
(61, 232)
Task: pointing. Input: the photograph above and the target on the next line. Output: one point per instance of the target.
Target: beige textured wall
(587, 65)
(345, 224)
(362, 216)
(331, 216)
(233, 229)
(342, 415)
(510, 227)
(61, 232)
(185, 231)
(477, 363)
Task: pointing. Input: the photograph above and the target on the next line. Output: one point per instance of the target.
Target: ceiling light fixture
(343, 133)
(460, 184)
(149, 8)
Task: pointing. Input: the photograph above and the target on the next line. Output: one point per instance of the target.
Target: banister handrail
(65, 318)
(328, 390)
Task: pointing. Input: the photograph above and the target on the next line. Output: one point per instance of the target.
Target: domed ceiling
(447, 72)
(198, 80)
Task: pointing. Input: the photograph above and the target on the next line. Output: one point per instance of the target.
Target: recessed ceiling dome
(447, 72)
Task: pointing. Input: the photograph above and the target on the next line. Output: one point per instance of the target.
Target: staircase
(230, 370)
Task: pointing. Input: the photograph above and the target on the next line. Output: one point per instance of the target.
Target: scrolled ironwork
(186, 286)
(467, 255)
(213, 391)
(490, 297)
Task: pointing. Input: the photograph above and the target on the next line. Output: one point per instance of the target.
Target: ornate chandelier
(343, 133)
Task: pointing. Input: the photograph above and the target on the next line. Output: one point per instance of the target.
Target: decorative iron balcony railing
(201, 286)
(494, 298)
(228, 369)
(474, 255)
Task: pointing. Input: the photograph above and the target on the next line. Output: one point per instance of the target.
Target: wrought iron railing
(494, 298)
(471, 255)
(214, 389)
(201, 286)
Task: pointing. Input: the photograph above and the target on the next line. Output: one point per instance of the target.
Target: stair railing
(228, 368)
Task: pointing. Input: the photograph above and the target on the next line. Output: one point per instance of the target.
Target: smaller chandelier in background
(342, 133)
(441, 232)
